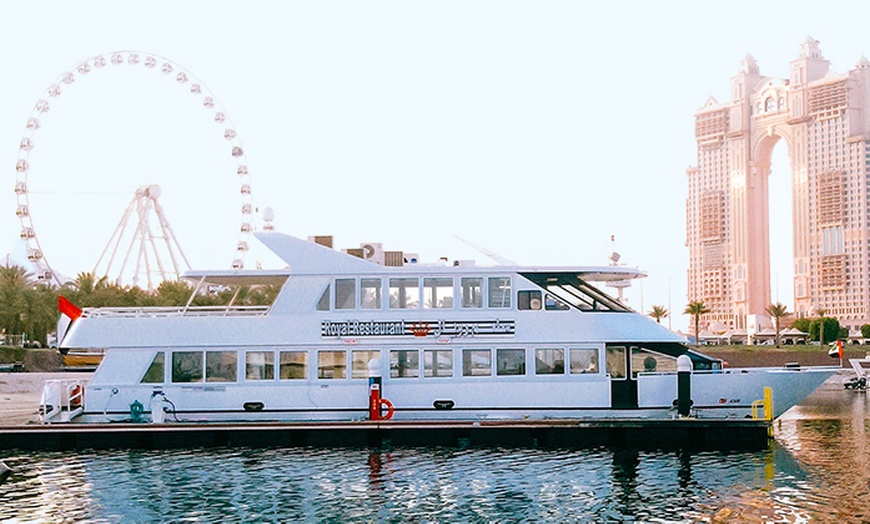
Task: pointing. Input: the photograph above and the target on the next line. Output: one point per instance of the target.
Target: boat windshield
(571, 289)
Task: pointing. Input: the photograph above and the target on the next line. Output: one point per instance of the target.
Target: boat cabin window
(510, 362)
(293, 365)
(345, 293)
(404, 363)
(359, 362)
(438, 363)
(583, 360)
(220, 366)
(323, 303)
(187, 366)
(571, 290)
(259, 365)
(615, 358)
(552, 303)
(476, 363)
(549, 361)
(472, 292)
(155, 375)
(438, 293)
(500, 292)
(527, 300)
(332, 364)
(404, 293)
(370, 293)
(643, 359)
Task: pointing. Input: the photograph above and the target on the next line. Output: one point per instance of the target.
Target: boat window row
(640, 360)
(569, 288)
(337, 364)
(431, 293)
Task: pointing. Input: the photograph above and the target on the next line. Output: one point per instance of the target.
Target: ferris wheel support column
(119, 233)
(141, 253)
(153, 245)
(169, 237)
(130, 250)
(147, 236)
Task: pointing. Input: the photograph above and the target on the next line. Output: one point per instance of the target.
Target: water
(817, 470)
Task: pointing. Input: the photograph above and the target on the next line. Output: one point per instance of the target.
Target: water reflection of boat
(441, 342)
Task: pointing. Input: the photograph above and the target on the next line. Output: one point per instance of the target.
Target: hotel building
(824, 120)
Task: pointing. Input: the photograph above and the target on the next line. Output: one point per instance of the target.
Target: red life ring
(390, 410)
(76, 396)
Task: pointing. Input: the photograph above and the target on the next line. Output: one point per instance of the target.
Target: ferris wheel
(151, 253)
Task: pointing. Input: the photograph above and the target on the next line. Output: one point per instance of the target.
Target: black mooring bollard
(684, 385)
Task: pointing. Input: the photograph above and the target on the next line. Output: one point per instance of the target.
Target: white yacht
(367, 334)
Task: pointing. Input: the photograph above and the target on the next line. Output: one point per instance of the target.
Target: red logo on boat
(420, 329)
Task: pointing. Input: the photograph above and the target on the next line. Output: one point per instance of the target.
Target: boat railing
(62, 400)
(736, 371)
(162, 311)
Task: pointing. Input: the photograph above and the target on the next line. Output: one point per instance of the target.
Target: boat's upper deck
(326, 294)
(348, 283)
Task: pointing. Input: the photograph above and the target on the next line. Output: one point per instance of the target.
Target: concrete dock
(631, 433)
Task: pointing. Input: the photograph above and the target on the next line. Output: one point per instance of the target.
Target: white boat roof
(308, 258)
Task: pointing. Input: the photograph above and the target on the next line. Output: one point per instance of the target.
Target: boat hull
(731, 394)
(88, 359)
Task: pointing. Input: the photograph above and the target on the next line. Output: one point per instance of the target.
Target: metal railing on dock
(62, 400)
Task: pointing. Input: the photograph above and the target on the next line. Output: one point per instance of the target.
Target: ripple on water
(392, 485)
(820, 471)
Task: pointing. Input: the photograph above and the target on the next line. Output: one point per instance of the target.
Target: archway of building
(773, 245)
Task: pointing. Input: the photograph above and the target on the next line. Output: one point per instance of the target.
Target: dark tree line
(29, 308)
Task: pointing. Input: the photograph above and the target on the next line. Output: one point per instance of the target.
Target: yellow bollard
(768, 409)
(767, 403)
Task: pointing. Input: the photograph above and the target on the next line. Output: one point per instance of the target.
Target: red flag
(68, 308)
(840, 348)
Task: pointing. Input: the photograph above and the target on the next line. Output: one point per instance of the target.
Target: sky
(550, 133)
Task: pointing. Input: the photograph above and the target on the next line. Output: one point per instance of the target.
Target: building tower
(824, 119)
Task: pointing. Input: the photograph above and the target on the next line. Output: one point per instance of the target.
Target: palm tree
(658, 313)
(696, 308)
(821, 311)
(15, 283)
(173, 293)
(777, 311)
